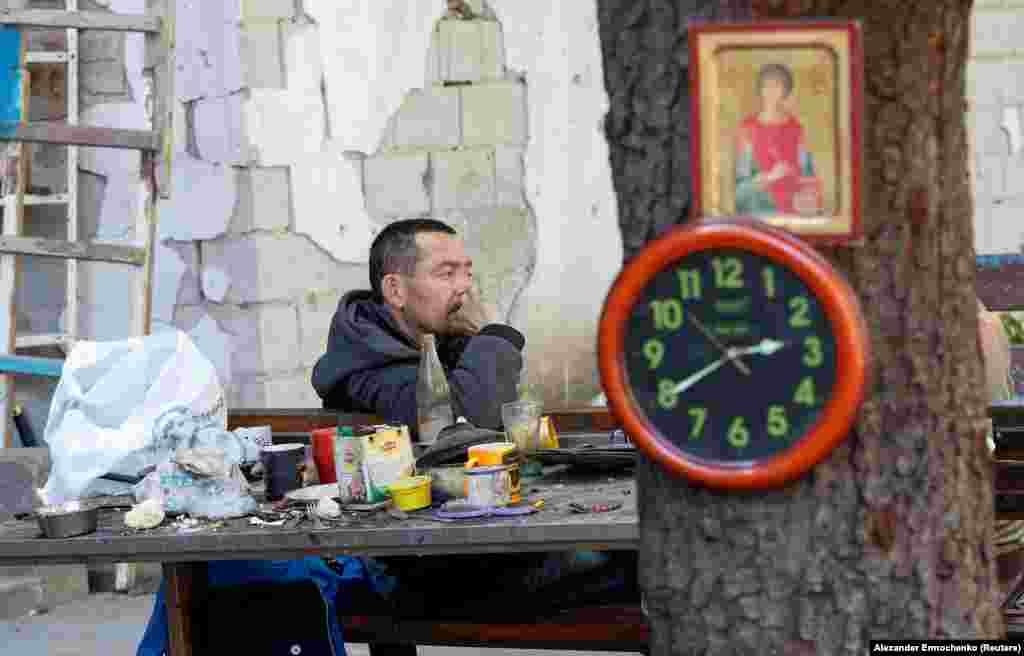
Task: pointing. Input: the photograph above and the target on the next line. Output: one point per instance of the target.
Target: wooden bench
(612, 628)
(293, 611)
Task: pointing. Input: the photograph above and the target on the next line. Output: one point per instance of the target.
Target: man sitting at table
(422, 282)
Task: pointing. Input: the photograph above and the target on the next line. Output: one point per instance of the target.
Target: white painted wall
(569, 185)
(995, 92)
(296, 122)
(377, 53)
(274, 209)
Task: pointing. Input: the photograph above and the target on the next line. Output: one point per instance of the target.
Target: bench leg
(391, 649)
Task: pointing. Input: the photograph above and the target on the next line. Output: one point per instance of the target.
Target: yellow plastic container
(411, 492)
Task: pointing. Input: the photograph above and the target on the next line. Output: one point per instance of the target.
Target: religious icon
(777, 123)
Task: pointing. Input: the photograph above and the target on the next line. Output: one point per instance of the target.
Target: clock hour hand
(708, 335)
(764, 347)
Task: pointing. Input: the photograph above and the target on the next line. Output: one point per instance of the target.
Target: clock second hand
(732, 355)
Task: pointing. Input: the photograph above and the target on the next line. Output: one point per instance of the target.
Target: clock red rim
(840, 305)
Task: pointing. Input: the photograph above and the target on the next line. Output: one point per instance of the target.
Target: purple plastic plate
(462, 514)
(512, 511)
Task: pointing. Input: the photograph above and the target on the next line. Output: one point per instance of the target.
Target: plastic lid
(346, 431)
(409, 482)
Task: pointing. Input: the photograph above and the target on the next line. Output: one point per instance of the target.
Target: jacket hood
(363, 335)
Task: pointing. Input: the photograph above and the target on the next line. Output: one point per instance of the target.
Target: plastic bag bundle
(127, 407)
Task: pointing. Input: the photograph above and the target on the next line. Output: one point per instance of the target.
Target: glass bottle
(433, 398)
(527, 389)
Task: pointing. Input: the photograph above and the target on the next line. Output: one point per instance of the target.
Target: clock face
(730, 355)
(733, 353)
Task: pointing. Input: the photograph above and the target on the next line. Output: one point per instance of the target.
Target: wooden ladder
(157, 25)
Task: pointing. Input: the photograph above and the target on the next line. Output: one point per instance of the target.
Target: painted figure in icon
(774, 170)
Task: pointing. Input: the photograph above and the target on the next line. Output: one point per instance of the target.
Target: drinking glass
(522, 424)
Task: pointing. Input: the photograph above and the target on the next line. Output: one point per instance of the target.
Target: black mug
(282, 467)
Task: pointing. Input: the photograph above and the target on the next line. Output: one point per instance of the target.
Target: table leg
(186, 588)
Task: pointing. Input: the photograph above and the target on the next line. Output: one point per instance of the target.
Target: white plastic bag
(124, 406)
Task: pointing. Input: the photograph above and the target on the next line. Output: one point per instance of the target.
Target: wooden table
(184, 554)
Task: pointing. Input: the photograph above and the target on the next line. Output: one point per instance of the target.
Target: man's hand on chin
(472, 316)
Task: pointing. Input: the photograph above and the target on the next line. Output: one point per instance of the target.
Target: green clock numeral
(778, 425)
(801, 309)
(813, 356)
(699, 415)
(738, 434)
(769, 281)
(654, 349)
(728, 272)
(805, 392)
(689, 284)
(668, 314)
(667, 397)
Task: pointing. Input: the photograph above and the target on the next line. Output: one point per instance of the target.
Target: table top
(555, 527)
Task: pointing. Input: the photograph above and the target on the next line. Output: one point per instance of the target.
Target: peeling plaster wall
(569, 187)
(287, 114)
(302, 128)
(996, 94)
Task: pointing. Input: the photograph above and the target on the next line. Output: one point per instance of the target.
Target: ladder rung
(73, 250)
(46, 56)
(80, 135)
(33, 199)
(47, 339)
(83, 20)
(31, 366)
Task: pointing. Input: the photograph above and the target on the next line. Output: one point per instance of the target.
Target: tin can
(488, 487)
(497, 453)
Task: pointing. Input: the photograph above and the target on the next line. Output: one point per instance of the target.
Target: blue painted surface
(10, 77)
(21, 364)
(999, 261)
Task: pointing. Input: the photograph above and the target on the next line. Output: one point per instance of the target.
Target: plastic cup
(281, 466)
(522, 424)
(323, 454)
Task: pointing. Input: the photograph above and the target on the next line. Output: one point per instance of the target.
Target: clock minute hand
(692, 380)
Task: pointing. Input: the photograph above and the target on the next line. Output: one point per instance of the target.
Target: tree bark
(891, 536)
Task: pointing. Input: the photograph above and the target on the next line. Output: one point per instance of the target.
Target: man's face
(435, 291)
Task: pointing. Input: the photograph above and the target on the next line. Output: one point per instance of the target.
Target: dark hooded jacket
(372, 366)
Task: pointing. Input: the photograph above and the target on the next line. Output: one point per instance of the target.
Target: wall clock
(733, 353)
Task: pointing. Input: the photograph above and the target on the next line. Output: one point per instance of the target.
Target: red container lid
(325, 432)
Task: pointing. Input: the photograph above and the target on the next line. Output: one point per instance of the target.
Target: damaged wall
(996, 93)
(303, 127)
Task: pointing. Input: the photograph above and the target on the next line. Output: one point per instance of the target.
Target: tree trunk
(892, 535)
